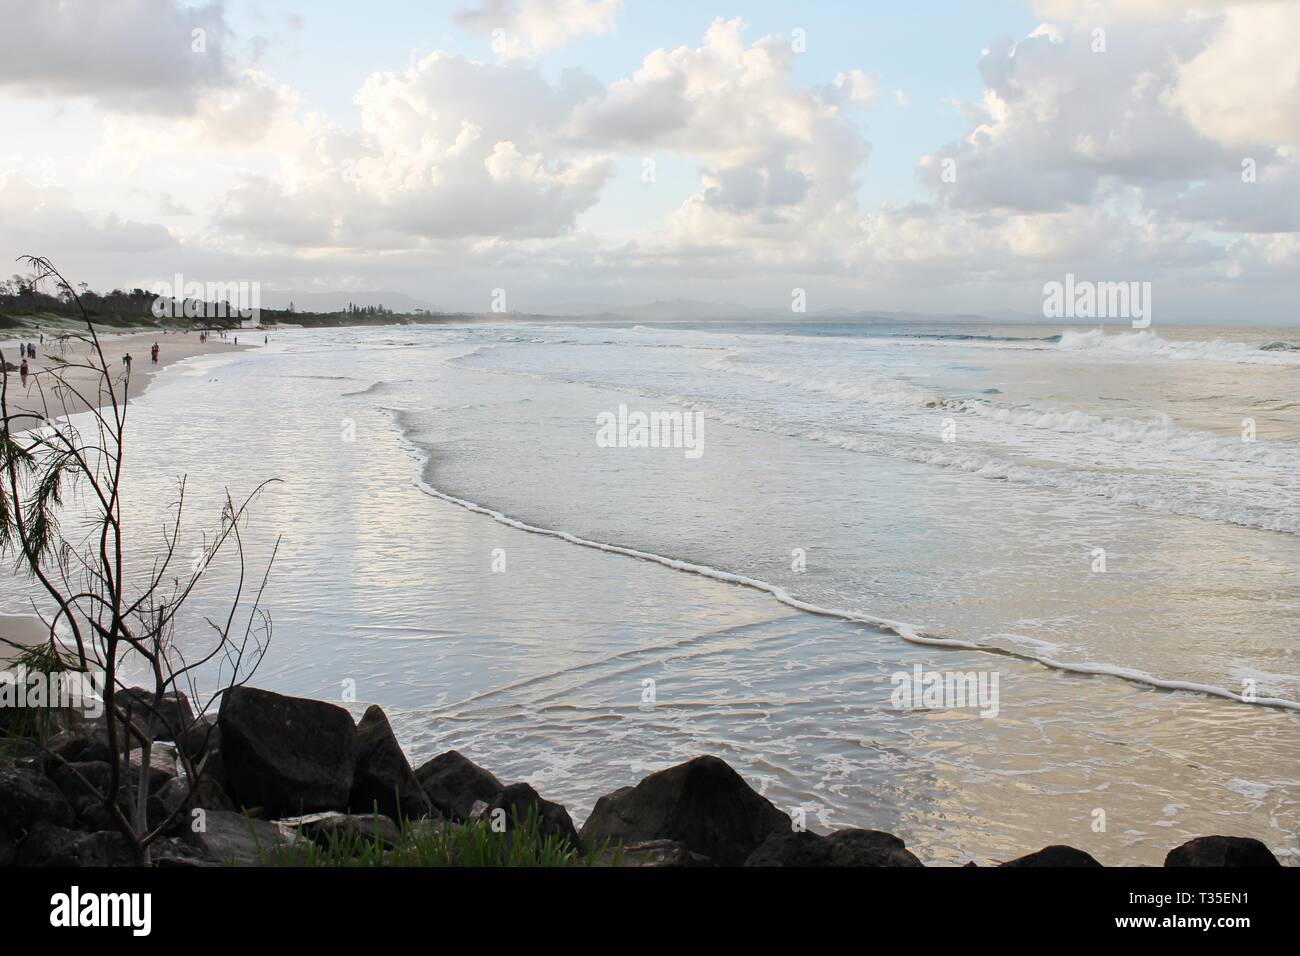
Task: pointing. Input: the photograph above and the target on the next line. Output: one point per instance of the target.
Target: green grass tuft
(440, 843)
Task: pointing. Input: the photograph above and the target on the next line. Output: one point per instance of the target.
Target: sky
(933, 156)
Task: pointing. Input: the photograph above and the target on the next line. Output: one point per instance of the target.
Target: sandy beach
(40, 398)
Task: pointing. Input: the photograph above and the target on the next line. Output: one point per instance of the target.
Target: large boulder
(176, 801)
(1055, 856)
(162, 764)
(793, 849)
(202, 737)
(171, 852)
(453, 783)
(383, 778)
(1221, 851)
(518, 800)
(168, 721)
(851, 847)
(232, 839)
(702, 803)
(28, 798)
(288, 755)
(660, 854)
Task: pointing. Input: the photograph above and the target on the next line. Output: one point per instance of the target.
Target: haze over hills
(338, 301)
(672, 310)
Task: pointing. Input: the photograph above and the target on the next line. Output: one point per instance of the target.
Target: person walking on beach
(23, 370)
(153, 353)
(126, 362)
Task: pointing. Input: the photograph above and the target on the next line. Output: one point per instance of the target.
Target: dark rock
(383, 778)
(519, 799)
(849, 847)
(93, 731)
(350, 829)
(169, 852)
(162, 765)
(206, 794)
(50, 845)
(1055, 855)
(788, 848)
(652, 853)
(853, 847)
(175, 801)
(452, 783)
(290, 755)
(168, 721)
(233, 839)
(68, 745)
(1221, 851)
(22, 754)
(702, 803)
(83, 782)
(203, 736)
(8, 850)
(28, 798)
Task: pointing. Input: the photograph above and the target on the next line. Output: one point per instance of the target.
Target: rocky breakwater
(292, 781)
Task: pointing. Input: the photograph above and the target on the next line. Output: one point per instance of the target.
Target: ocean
(988, 587)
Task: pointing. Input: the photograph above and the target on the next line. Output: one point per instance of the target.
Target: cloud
(1244, 87)
(1065, 123)
(776, 159)
(858, 87)
(39, 220)
(521, 29)
(152, 56)
(448, 148)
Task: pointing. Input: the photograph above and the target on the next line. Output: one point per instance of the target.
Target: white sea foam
(902, 629)
(1148, 344)
(1205, 499)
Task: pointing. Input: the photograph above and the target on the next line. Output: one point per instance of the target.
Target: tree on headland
(99, 612)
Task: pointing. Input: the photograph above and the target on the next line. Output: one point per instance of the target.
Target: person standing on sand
(23, 370)
(153, 353)
(126, 361)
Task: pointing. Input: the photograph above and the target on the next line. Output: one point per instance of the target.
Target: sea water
(886, 523)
